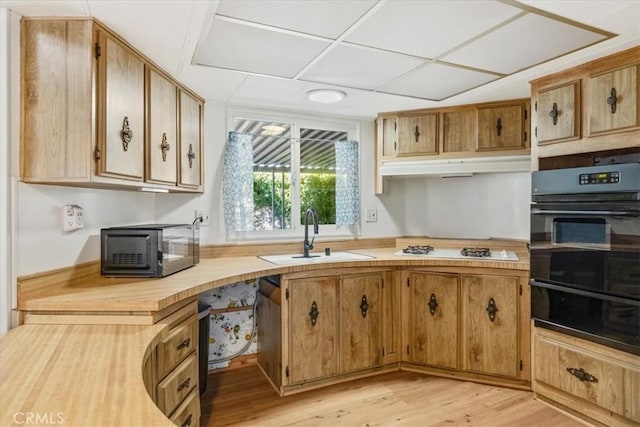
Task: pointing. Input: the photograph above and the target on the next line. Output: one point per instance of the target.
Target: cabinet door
(121, 106)
(558, 112)
(458, 131)
(387, 136)
(613, 101)
(418, 134)
(489, 326)
(162, 129)
(501, 128)
(360, 321)
(190, 162)
(313, 329)
(433, 319)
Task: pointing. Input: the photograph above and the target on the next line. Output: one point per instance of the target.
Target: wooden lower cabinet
(588, 379)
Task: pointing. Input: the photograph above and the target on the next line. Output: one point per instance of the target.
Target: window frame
(297, 121)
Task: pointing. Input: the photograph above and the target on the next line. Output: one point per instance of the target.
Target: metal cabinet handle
(126, 134)
(416, 133)
(433, 304)
(554, 113)
(364, 306)
(313, 314)
(187, 421)
(184, 344)
(191, 155)
(492, 309)
(499, 127)
(184, 384)
(612, 100)
(164, 146)
(582, 375)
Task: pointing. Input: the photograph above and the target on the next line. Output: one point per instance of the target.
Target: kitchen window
(277, 167)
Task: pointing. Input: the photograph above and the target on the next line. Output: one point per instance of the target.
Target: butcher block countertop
(78, 374)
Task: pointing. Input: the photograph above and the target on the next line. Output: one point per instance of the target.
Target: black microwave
(149, 250)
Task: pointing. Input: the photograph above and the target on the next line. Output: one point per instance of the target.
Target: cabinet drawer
(188, 413)
(588, 377)
(177, 385)
(181, 341)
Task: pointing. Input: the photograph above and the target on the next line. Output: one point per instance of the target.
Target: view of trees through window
(274, 196)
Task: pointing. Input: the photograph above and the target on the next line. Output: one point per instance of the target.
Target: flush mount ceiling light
(272, 130)
(326, 96)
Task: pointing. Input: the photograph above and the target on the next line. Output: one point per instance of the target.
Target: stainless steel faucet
(307, 246)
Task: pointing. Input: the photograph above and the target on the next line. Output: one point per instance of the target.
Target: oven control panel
(599, 178)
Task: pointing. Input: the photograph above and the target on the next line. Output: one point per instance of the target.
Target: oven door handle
(577, 212)
(629, 301)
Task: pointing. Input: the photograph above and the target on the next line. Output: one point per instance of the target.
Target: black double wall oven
(585, 253)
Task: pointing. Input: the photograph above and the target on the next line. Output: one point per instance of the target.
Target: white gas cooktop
(496, 255)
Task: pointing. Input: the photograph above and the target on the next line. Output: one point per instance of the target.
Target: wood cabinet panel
(313, 345)
(558, 112)
(613, 101)
(433, 319)
(361, 321)
(121, 85)
(161, 129)
(269, 338)
(458, 131)
(418, 134)
(190, 163)
(501, 128)
(57, 101)
(490, 342)
(181, 341)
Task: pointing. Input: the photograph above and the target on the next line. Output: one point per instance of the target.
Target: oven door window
(581, 232)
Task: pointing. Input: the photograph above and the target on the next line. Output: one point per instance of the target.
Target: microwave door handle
(589, 213)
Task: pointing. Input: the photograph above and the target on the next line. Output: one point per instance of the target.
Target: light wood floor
(242, 397)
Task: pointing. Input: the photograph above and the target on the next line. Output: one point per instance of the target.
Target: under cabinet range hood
(455, 167)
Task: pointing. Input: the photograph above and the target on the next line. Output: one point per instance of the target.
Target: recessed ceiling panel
(323, 18)
(256, 50)
(359, 67)
(437, 81)
(523, 43)
(429, 28)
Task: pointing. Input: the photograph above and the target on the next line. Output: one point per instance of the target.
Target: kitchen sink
(315, 257)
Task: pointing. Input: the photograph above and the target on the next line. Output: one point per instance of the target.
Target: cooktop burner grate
(476, 252)
(418, 250)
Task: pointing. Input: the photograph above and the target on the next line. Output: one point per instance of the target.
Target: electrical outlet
(206, 217)
(72, 217)
(372, 215)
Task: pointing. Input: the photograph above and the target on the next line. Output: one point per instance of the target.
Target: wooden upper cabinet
(418, 134)
(162, 131)
(190, 162)
(313, 329)
(613, 101)
(558, 113)
(458, 131)
(387, 128)
(490, 325)
(57, 101)
(360, 321)
(121, 87)
(433, 319)
(502, 128)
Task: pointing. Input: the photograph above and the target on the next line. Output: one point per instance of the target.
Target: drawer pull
(185, 384)
(433, 304)
(184, 344)
(492, 309)
(582, 375)
(187, 421)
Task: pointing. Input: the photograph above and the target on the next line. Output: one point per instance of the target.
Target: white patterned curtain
(237, 182)
(347, 184)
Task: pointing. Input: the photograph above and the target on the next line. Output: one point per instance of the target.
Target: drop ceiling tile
(359, 67)
(525, 42)
(437, 81)
(322, 18)
(47, 7)
(429, 28)
(256, 50)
